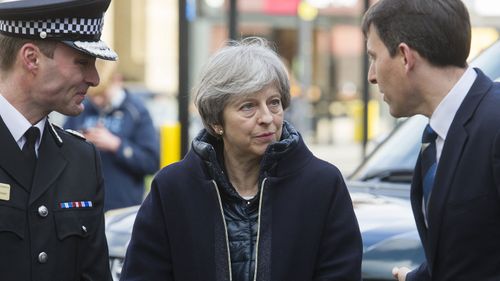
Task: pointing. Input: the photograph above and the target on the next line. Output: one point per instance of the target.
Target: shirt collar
(115, 102)
(444, 114)
(16, 122)
(118, 98)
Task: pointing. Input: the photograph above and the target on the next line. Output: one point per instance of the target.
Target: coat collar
(209, 149)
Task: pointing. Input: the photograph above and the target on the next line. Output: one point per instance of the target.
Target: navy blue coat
(463, 238)
(137, 156)
(308, 230)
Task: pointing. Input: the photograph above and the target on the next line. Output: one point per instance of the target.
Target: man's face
(64, 79)
(389, 73)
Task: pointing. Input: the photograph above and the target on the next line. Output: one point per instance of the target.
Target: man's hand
(399, 273)
(102, 138)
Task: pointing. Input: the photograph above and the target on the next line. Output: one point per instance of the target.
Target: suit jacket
(41, 237)
(462, 241)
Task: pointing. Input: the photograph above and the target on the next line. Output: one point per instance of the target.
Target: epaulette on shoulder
(52, 129)
(75, 133)
(56, 126)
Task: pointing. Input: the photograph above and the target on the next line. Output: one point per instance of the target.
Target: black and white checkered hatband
(66, 28)
(80, 33)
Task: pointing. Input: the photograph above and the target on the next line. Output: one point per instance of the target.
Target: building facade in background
(320, 41)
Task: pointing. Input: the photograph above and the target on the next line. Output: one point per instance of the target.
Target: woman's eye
(275, 102)
(247, 106)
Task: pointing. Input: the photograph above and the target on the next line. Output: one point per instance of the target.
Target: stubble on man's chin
(74, 111)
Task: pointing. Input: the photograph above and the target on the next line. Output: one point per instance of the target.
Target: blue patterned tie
(429, 164)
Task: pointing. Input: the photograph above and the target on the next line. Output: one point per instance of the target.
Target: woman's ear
(218, 129)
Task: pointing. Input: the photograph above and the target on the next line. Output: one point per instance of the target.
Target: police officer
(51, 186)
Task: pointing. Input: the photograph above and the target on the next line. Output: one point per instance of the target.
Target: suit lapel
(450, 157)
(50, 164)
(11, 160)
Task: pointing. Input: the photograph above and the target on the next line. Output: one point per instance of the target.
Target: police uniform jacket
(53, 230)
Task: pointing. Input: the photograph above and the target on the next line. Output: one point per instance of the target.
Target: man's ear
(30, 56)
(407, 56)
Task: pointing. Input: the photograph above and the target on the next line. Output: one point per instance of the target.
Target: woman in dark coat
(249, 201)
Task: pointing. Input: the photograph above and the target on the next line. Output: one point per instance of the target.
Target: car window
(488, 61)
(396, 156)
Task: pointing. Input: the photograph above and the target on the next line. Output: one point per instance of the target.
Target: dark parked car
(388, 170)
(386, 175)
(379, 189)
(118, 227)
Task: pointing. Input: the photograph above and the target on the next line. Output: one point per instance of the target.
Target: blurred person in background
(119, 124)
(418, 52)
(249, 201)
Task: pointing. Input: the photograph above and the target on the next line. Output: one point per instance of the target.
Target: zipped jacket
(241, 215)
(306, 227)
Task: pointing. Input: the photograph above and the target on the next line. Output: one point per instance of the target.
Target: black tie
(28, 150)
(429, 164)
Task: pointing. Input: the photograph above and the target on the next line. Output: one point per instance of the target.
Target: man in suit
(51, 186)
(418, 51)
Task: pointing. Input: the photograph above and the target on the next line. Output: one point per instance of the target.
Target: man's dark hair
(9, 46)
(439, 30)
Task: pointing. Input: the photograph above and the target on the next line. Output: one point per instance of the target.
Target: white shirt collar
(442, 117)
(17, 123)
(118, 98)
(444, 114)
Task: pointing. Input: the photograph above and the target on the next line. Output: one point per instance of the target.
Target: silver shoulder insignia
(54, 133)
(56, 126)
(75, 133)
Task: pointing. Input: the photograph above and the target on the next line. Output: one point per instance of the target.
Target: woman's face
(252, 123)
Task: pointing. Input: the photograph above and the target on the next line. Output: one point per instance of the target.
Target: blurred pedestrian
(118, 123)
(418, 52)
(51, 186)
(249, 201)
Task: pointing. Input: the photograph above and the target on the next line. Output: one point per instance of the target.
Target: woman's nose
(265, 115)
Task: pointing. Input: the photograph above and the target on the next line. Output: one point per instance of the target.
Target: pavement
(336, 141)
(345, 155)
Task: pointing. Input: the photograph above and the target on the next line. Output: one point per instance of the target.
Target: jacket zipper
(226, 234)
(225, 231)
(258, 229)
